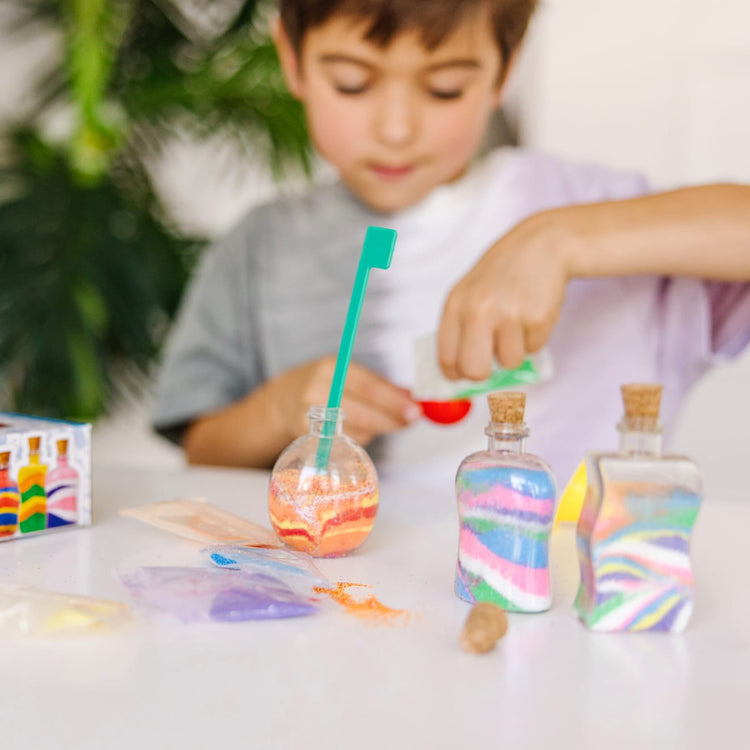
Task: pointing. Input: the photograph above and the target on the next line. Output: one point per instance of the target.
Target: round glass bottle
(506, 505)
(323, 493)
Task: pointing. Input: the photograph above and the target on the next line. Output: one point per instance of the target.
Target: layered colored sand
(33, 515)
(321, 514)
(9, 502)
(506, 517)
(62, 501)
(634, 553)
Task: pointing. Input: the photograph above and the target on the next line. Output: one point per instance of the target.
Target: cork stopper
(62, 447)
(641, 400)
(34, 443)
(507, 406)
(485, 625)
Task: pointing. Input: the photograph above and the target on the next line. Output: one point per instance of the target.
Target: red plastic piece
(445, 412)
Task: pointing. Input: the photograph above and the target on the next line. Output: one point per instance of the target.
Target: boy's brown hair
(434, 19)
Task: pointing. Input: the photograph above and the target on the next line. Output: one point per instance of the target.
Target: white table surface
(332, 681)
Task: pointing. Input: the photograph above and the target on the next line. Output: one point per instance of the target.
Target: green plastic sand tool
(377, 252)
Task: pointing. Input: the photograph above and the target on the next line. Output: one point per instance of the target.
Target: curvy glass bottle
(633, 535)
(506, 505)
(326, 509)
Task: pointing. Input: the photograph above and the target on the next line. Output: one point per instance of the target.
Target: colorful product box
(45, 475)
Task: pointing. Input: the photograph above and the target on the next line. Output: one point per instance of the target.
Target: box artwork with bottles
(45, 475)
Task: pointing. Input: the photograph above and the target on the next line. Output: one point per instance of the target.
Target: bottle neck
(325, 421)
(506, 437)
(640, 436)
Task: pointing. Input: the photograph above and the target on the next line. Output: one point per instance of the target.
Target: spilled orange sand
(367, 608)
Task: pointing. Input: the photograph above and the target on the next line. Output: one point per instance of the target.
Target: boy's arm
(509, 302)
(253, 431)
(701, 232)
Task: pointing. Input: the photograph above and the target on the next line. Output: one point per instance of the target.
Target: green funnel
(377, 252)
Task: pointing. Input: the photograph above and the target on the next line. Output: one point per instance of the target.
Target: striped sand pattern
(33, 515)
(62, 489)
(62, 498)
(635, 560)
(320, 515)
(9, 499)
(9, 504)
(506, 516)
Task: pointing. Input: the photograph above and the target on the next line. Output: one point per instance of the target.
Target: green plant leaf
(92, 267)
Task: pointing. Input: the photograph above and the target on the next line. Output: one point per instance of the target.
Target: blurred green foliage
(91, 266)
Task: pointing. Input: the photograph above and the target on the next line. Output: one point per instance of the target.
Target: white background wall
(657, 85)
(661, 86)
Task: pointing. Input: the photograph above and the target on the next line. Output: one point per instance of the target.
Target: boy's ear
(505, 74)
(290, 62)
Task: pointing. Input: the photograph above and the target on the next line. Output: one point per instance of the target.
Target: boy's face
(395, 121)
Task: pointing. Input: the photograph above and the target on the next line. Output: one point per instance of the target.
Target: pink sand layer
(505, 499)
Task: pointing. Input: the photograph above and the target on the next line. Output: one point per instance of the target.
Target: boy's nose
(395, 119)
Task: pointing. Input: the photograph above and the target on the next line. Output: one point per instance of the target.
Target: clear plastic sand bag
(27, 611)
(296, 569)
(214, 595)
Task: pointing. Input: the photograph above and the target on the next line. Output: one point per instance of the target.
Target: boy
(398, 94)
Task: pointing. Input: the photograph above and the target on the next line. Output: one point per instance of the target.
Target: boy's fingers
(361, 438)
(509, 345)
(475, 351)
(449, 336)
(381, 397)
(536, 337)
(365, 420)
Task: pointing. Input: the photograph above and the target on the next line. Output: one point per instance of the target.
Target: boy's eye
(446, 94)
(351, 90)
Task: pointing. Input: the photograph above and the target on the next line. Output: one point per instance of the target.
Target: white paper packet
(431, 385)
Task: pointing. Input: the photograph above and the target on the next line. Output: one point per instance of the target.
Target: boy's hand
(372, 405)
(506, 305)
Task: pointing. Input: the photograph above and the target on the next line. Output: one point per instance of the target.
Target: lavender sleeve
(729, 304)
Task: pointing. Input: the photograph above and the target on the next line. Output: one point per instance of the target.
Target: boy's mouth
(391, 171)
